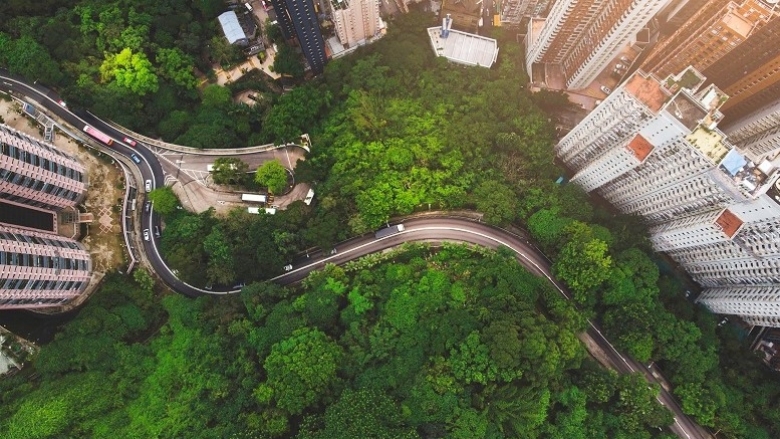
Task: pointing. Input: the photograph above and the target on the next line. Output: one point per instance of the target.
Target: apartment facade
(355, 20)
(756, 305)
(758, 134)
(653, 148)
(38, 174)
(580, 37)
(713, 31)
(750, 75)
(298, 20)
(39, 270)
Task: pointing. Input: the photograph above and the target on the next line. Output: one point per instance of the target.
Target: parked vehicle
(605, 89)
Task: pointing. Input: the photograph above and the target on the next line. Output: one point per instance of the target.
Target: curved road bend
(420, 230)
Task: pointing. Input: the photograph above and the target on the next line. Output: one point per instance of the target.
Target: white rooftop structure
(464, 48)
(232, 28)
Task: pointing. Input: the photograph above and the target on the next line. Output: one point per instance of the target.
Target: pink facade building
(35, 173)
(39, 270)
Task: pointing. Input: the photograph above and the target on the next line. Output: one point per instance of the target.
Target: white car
(605, 89)
(625, 59)
(146, 234)
(129, 141)
(287, 267)
(148, 185)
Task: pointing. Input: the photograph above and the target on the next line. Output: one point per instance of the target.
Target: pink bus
(98, 135)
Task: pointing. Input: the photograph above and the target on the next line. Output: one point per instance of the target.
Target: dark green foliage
(141, 48)
(229, 171)
(288, 62)
(272, 175)
(432, 345)
(165, 201)
(450, 343)
(608, 267)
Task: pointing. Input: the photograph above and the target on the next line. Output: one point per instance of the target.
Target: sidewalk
(228, 76)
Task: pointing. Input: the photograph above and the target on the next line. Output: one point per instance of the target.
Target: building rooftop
(640, 147)
(464, 48)
(461, 6)
(339, 4)
(729, 223)
(708, 142)
(738, 24)
(647, 90)
(774, 191)
(231, 27)
(751, 178)
(689, 79)
(687, 110)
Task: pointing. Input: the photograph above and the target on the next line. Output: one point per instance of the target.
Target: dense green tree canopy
(410, 351)
(130, 70)
(165, 201)
(272, 175)
(288, 62)
(229, 170)
(448, 343)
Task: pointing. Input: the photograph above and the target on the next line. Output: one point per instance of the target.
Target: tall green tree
(176, 66)
(229, 170)
(165, 201)
(272, 175)
(287, 62)
(294, 380)
(130, 70)
(497, 201)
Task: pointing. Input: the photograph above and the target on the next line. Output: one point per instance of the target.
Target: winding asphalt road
(433, 229)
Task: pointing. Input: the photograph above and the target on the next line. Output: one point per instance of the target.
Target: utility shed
(232, 29)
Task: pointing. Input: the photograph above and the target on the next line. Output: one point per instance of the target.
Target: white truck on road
(388, 231)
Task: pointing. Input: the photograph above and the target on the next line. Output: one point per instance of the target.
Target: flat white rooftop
(464, 48)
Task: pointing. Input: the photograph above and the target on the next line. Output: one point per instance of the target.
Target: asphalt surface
(427, 229)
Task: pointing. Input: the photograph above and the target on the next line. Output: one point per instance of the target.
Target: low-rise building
(465, 13)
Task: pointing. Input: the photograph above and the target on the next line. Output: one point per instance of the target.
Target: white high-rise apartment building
(756, 305)
(582, 36)
(653, 148)
(355, 20)
(758, 134)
